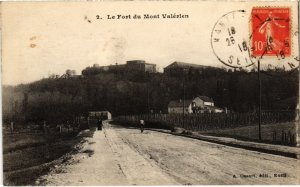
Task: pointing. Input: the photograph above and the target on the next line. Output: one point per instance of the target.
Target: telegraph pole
(259, 102)
(148, 99)
(183, 101)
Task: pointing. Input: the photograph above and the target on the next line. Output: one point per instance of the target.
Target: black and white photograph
(150, 93)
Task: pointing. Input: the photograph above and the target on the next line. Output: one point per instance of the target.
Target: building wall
(173, 71)
(109, 116)
(209, 103)
(178, 110)
(140, 65)
(218, 111)
(116, 68)
(137, 65)
(201, 106)
(134, 65)
(199, 102)
(196, 103)
(179, 71)
(151, 68)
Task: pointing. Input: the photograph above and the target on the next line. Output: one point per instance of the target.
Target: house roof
(186, 65)
(179, 103)
(138, 62)
(206, 99)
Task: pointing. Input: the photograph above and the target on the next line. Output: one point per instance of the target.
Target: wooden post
(259, 105)
(11, 127)
(45, 127)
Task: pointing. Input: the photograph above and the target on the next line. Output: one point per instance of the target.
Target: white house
(200, 104)
(207, 101)
(178, 106)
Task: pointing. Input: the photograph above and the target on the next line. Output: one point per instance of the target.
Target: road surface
(124, 156)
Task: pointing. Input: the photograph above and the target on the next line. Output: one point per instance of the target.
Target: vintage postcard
(150, 93)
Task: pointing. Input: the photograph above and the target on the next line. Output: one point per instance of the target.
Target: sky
(42, 38)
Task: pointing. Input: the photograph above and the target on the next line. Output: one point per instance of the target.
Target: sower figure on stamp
(268, 30)
(142, 124)
(99, 123)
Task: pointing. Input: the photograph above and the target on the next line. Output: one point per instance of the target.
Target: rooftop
(138, 62)
(206, 99)
(186, 65)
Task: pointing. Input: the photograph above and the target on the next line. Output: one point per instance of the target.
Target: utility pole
(259, 103)
(183, 102)
(148, 99)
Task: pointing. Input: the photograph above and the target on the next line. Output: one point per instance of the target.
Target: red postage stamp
(271, 31)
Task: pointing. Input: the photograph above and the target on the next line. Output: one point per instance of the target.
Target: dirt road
(124, 156)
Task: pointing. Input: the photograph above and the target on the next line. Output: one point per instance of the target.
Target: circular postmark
(272, 39)
(230, 42)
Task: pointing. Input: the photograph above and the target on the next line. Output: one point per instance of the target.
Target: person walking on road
(99, 123)
(142, 124)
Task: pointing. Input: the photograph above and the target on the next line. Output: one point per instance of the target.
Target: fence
(211, 121)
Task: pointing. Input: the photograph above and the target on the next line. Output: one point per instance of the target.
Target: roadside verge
(287, 151)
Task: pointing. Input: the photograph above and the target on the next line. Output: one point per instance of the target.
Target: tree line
(124, 93)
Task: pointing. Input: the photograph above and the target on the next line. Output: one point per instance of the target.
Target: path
(124, 156)
(113, 162)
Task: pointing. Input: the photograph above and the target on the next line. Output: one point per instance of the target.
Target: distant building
(141, 65)
(95, 116)
(104, 115)
(200, 104)
(178, 68)
(115, 67)
(207, 101)
(178, 106)
(69, 73)
(96, 65)
(211, 109)
(130, 66)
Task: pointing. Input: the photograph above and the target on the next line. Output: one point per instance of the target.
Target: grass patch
(28, 156)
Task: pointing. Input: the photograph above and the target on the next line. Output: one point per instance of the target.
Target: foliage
(124, 93)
